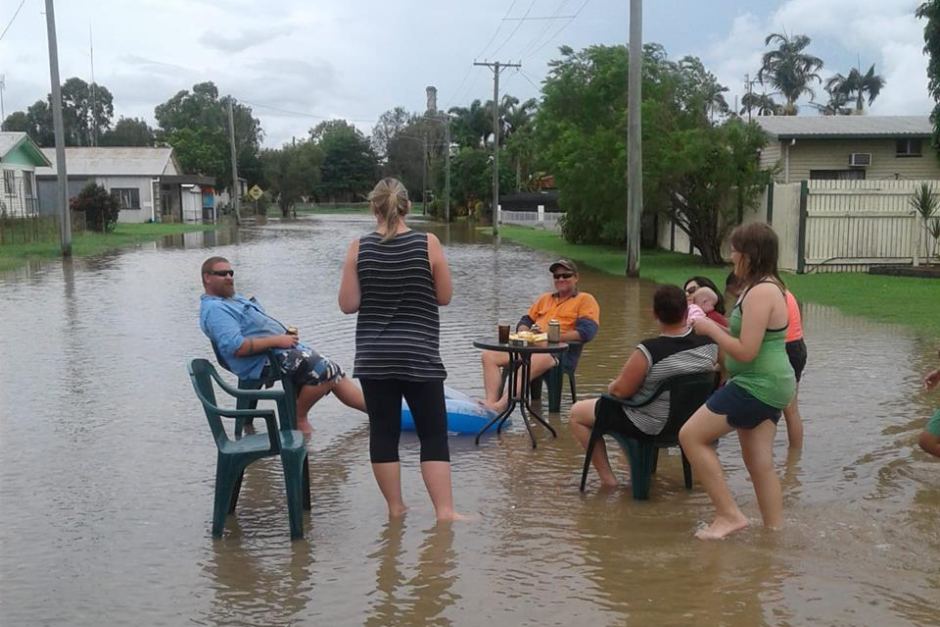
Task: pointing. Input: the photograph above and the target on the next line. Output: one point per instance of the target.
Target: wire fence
(35, 229)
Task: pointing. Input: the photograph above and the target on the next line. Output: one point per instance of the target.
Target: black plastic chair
(686, 394)
(273, 374)
(554, 378)
(234, 456)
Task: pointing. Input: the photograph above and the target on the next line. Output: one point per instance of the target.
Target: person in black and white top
(396, 279)
(676, 351)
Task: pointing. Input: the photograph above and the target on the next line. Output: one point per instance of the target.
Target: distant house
(19, 158)
(148, 182)
(849, 147)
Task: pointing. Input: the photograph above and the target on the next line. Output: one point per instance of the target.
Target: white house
(19, 158)
(148, 182)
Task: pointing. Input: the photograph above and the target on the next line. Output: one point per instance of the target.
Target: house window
(27, 184)
(837, 175)
(910, 147)
(127, 197)
(9, 182)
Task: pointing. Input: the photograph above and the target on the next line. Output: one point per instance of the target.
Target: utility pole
(496, 67)
(446, 167)
(94, 100)
(65, 223)
(634, 139)
(747, 87)
(236, 197)
(424, 171)
(2, 87)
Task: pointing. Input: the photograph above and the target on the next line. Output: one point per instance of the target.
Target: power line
(528, 78)
(516, 29)
(563, 27)
(498, 26)
(530, 19)
(12, 19)
(548, 25)
(300, 114)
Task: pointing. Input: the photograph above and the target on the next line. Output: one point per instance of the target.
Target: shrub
(100, 208)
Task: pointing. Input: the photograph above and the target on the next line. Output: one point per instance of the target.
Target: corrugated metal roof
(120, 161)
(833, 126)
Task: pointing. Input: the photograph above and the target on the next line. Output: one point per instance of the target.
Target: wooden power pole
(236, 197)
(496, 67)
(62, 191)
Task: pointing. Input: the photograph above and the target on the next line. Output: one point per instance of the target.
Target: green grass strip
(907, 301)
(89, 243)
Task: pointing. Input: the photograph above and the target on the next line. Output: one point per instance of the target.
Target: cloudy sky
(297, 62)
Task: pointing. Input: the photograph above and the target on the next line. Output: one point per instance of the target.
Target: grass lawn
(90, 243)
(324, 209)
(898, 300)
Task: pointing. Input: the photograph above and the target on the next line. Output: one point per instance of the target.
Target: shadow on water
(107, 466)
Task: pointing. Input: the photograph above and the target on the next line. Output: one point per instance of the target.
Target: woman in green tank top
(760, 384)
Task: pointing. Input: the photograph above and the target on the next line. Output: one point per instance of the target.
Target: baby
(702, 305)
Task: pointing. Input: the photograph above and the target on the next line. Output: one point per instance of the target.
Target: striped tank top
(398, 327)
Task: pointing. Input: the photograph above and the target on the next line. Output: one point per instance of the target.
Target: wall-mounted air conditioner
(860, 159)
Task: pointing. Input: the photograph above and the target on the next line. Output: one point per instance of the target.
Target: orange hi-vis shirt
(794, 319)
(566, 311)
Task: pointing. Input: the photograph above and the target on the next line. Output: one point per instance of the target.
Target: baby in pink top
(704, 300)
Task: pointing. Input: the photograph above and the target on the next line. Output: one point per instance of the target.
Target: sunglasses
(221, 272)
(563, 275)
(690, 290)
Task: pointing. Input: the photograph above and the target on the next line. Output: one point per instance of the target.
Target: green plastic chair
(554, 378)
(234, 456)
(686, 394)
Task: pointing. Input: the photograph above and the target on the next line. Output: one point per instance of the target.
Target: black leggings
(383, 404)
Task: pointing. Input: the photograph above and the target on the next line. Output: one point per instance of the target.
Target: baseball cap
(564, 263)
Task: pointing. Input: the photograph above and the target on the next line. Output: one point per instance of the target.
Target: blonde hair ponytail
(389, 201)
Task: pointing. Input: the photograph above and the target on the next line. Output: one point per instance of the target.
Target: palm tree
(838, 98)
(856, 85)
(789, 69)
(759, 104)
(472, 125)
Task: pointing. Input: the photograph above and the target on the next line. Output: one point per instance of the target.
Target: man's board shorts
(933, 424)
(308, 367)
(743, 410)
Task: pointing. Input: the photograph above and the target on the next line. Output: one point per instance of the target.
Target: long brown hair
(389, 201)
(759, 244)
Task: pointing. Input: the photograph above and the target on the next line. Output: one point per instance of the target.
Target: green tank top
(769, 377)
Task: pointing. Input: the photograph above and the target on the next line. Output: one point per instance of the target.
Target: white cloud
(844, 33)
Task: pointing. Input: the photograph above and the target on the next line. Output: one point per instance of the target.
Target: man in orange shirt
(578, 315)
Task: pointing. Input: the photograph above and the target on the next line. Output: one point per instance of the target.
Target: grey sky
(298, 62)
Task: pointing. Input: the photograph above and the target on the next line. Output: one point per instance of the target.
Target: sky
(299, 62)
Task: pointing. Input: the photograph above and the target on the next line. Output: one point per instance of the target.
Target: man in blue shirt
(243, 334)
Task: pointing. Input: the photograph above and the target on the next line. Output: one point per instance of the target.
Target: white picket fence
(539, 218)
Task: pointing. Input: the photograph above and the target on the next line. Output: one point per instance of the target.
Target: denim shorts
(742, 410)
(308, 367)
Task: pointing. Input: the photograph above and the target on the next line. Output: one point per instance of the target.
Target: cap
(567, 264)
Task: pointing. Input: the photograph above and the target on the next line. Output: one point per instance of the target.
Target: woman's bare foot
(609, 483)
(455, 517)
(397, 511)
(721, 528)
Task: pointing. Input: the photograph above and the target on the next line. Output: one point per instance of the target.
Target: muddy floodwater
(107, 467)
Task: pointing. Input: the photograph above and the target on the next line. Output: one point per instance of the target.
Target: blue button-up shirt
(228, 322)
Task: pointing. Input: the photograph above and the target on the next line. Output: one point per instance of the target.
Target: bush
(100, 208)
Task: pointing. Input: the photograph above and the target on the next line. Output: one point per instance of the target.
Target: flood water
(107, 468)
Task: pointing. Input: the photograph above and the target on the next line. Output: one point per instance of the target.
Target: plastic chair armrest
(269, 420)
(269, 395)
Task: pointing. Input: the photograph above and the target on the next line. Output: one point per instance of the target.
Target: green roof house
(19, 158)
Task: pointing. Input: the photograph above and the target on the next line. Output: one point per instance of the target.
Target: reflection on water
(107, 466)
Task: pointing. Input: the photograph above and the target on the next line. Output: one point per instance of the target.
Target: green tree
(101, 209)
(349, 165)
(472, 181)
(930, 11)
(195, 123)
(789, 68)
(86, 114)
(471, 125)
(129, 132)
(291, 173)
(855, 86)
(759, 104)
(390, 124)
(17, 121)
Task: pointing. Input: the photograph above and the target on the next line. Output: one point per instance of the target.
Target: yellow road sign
(255, 192)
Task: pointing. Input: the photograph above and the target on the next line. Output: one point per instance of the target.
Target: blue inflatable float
(464, 415)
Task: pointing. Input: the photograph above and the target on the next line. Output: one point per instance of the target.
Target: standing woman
(396, 278)
(761, 384)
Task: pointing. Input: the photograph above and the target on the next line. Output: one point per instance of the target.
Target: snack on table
(529, 337)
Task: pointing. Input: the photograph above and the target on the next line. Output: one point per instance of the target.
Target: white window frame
(9, 182)
(128, 194)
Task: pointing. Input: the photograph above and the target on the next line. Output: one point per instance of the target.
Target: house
(19, 158)
(148, 183)
(849, 147)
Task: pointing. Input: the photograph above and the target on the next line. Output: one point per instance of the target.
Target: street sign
(255, 192)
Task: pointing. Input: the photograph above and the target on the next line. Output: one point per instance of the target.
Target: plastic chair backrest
(686, 394)
(200, 374)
